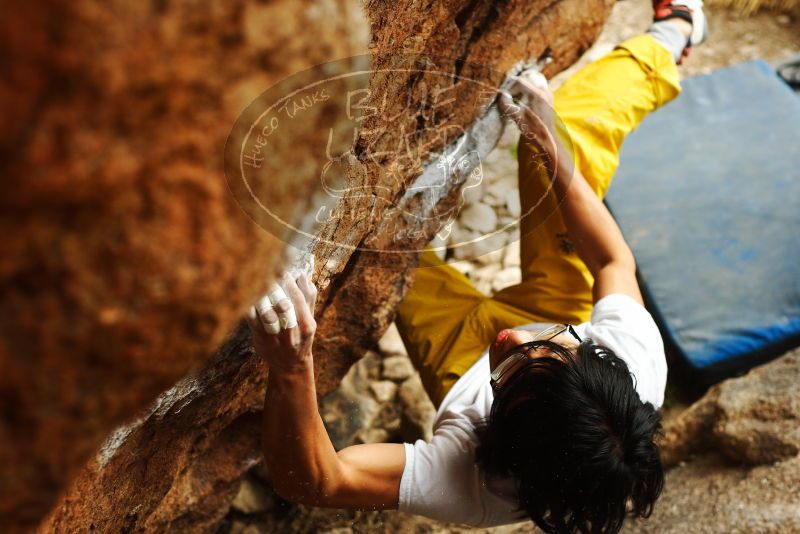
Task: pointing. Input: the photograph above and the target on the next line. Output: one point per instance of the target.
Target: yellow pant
(445, 322)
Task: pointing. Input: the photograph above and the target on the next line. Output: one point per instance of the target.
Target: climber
(552, 423)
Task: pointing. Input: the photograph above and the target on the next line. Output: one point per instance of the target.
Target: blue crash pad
(708, 197)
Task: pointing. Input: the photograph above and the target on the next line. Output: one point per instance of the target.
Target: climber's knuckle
(293, 291)
(307, 328)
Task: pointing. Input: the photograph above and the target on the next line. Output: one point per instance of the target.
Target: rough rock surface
(351, 408)
(710, 496)
(418, 411)
(739, 458)
(126, 261)
(752, 420)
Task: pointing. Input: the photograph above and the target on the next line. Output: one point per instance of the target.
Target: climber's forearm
(303, 464)
(595, 234)
(301, 461)
(300, 457)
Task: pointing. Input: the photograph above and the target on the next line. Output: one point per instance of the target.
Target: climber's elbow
(293, 492)
(305, 492)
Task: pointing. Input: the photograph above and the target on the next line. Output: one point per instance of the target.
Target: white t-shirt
(441, 479)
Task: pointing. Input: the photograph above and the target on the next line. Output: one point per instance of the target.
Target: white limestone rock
(383, 390)
(505, 278)
(252, 497)
(513, 204)
(397, 368)
(391, 342)
(479, 217)
(511, 254)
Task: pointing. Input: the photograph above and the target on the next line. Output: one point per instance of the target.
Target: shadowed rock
(752, 419)
(736, 450)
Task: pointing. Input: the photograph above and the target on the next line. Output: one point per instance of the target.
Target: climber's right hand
(532, 110)
(283, 324)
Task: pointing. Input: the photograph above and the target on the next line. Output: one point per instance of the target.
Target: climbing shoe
(689, 10)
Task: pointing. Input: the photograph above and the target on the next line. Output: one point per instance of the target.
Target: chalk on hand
(264, 307)
(288, 319)
(303, 263)
(276, 294)
(534, 78)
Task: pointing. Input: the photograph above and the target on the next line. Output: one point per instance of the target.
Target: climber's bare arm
(594, 232)
(301, 461)
(598, 239)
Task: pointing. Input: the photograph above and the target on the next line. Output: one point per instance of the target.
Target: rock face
(418, 412)
(126, 261)
(739, 455)
(751, 420)
(709, 496)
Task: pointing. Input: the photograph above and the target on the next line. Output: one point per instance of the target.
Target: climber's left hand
(283, 324)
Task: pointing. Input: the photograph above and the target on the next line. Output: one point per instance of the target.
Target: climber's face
(512, 350)
(510, 344)
(505, 341)
(508, 339)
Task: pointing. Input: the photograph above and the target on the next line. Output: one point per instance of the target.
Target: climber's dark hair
(577, 440)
